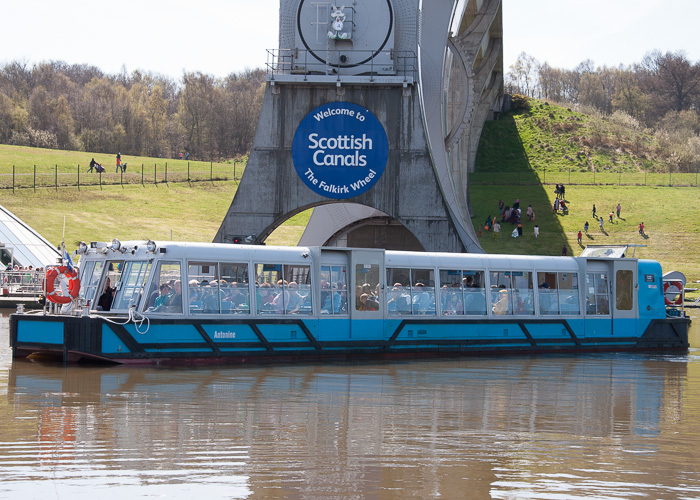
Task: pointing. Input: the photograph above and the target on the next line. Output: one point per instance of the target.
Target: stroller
(99, 168)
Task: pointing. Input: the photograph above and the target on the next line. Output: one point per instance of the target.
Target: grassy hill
(601, 161)
(520, 156)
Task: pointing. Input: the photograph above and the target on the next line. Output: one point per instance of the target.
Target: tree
(670, 79)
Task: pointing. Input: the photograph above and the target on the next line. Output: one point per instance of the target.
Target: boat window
(111, 285)
(568, 293)
(558, 293)
(235, 298)
(462, 292)
(367, 288)
(166, 289)
(412, 292)
(283, 289)
(597, 294)
(624, 283)
(130, 288)
(92, 273)
(334, 290)
(203, 287)
(547, 284)
(511, 292)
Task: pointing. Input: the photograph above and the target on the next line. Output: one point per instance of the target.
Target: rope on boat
(134, 317)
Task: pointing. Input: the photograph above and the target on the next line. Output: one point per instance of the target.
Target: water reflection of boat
(148, 302)
(605, 393)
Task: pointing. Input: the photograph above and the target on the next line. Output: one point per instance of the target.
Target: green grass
(671, 226)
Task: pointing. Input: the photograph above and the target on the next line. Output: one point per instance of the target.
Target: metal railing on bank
(606, 177)
(60, 176)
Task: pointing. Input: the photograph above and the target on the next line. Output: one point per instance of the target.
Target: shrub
(519, 102)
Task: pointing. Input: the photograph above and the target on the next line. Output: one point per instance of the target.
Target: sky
(219, 37)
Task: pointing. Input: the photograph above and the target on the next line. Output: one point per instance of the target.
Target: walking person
(618, 209)
(594, 211)
(611, 215)
(92, 165)
(641, 229)
(496, 230)
(579, 237)
(119, 162)
(585, 227)
(601, 225)
(537, 231)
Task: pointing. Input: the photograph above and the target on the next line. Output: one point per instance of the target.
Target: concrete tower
(372, 114)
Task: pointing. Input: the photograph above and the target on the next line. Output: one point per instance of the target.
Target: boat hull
(255, 340)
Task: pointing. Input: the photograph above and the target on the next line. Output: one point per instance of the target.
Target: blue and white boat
(170, 302)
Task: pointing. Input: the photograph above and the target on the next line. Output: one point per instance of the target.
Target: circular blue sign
(340, 150)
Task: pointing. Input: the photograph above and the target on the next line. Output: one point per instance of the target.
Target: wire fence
(61, 176)
(606, 177)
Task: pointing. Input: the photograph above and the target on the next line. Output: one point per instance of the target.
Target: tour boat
(173, 302)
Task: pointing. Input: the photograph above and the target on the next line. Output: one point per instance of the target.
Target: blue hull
(290, 340)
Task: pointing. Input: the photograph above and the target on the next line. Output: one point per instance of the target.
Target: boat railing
(22, 283)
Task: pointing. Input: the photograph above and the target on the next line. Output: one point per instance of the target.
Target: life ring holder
(678, 296)
(73, 284)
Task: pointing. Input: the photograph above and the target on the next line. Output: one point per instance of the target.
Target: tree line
(78, 107)
(660, 94)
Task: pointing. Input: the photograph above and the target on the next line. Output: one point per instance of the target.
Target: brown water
(546, 427)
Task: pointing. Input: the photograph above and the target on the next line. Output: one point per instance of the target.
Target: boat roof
(27, 247)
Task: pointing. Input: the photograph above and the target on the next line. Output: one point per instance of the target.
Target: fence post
(35, 178)
(121, 177)
(78, 176)
(234, 170)
(56, 177)
(13, 179)
(188, 171)
(211, 171)
(569, 175)
(142, 174)
(100, 181)
(155, 175)
(166, 172)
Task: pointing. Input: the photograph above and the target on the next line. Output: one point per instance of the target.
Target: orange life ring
(677, 294)
(73, 284)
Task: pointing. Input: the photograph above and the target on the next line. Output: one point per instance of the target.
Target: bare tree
(671, 80)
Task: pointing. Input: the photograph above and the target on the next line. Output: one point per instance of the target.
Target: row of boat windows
(224, 288)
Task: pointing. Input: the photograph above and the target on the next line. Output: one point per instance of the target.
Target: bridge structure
(372, 116)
